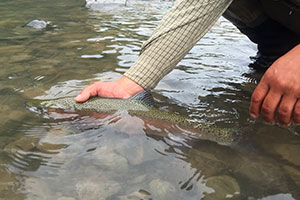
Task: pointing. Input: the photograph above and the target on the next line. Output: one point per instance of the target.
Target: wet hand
(123, 89)
(279, 91)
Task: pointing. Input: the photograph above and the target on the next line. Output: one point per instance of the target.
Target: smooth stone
(223, 186)
(4, 140)
(36, 188)
(160, 189)
(286, 148)
(66, 198)
(5, 180)
(132, 150)
(138, 151)
(289, 152)
(25, 144)
(38, 24)
(97, 190)
(209, 164)
(48, 147)
(257, 169)
(139, 179)
(294, 174)
(8, 114)
(109, 160)
(53, 139)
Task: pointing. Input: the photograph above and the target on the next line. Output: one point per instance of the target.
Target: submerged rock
(25, 144)
(109, 160)
(224, 187)
(160, 189)
(38, 24)
(66, 198)
(294, 174)
(97, 190)
(6, 179)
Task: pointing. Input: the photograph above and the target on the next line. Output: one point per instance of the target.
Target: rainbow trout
(141, 105)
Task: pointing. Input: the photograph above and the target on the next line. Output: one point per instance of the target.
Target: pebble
(294, 174)
(25, 143)
(108, 159)
(98, 190)
(288, 152)
(48, 147)
(38, 24)
(5, 180)
(4, 140)
(223, 186)
(66, 198)
(160, 189)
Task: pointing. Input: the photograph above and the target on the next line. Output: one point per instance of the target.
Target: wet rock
(5, 141)
(285, 148)
(108, 159)
(98, 190)
(38, 24)
(139, 179)
(137, 150)
(25, 144)
(131, 150)
(160, 189)
(208, 162)
(66, 198)
(223, 186)
(48, 147)
(294, 174)
(5, 180)
(254, 170)
(37, 188)
(9, 114)
(53, 139)
(288, 152)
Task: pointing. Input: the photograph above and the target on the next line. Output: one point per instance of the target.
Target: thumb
(84, 96)
(88, 92)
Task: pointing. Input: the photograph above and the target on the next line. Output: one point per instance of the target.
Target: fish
(141, 105)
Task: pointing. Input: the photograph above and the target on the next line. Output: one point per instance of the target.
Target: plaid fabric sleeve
(180, 29)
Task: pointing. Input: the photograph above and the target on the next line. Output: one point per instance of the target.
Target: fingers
(267, 102)
(296, 114)
(257, 99)
(285, 110)
(86, 93)
(270, 105)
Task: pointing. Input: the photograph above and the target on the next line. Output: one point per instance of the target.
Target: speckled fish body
(134, 107)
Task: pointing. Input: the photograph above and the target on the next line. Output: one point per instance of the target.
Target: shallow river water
(120, 156)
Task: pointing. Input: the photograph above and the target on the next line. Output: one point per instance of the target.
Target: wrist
(129, 86)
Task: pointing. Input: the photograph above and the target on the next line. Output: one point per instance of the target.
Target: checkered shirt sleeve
(180, 29)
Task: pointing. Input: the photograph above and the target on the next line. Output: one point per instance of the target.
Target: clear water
(119, 156)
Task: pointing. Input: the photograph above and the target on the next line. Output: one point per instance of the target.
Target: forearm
(182, 27)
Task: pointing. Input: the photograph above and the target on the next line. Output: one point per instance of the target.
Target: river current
(120, 156)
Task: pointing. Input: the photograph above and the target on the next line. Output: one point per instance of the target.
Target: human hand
(279, 90)
(122, 89)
